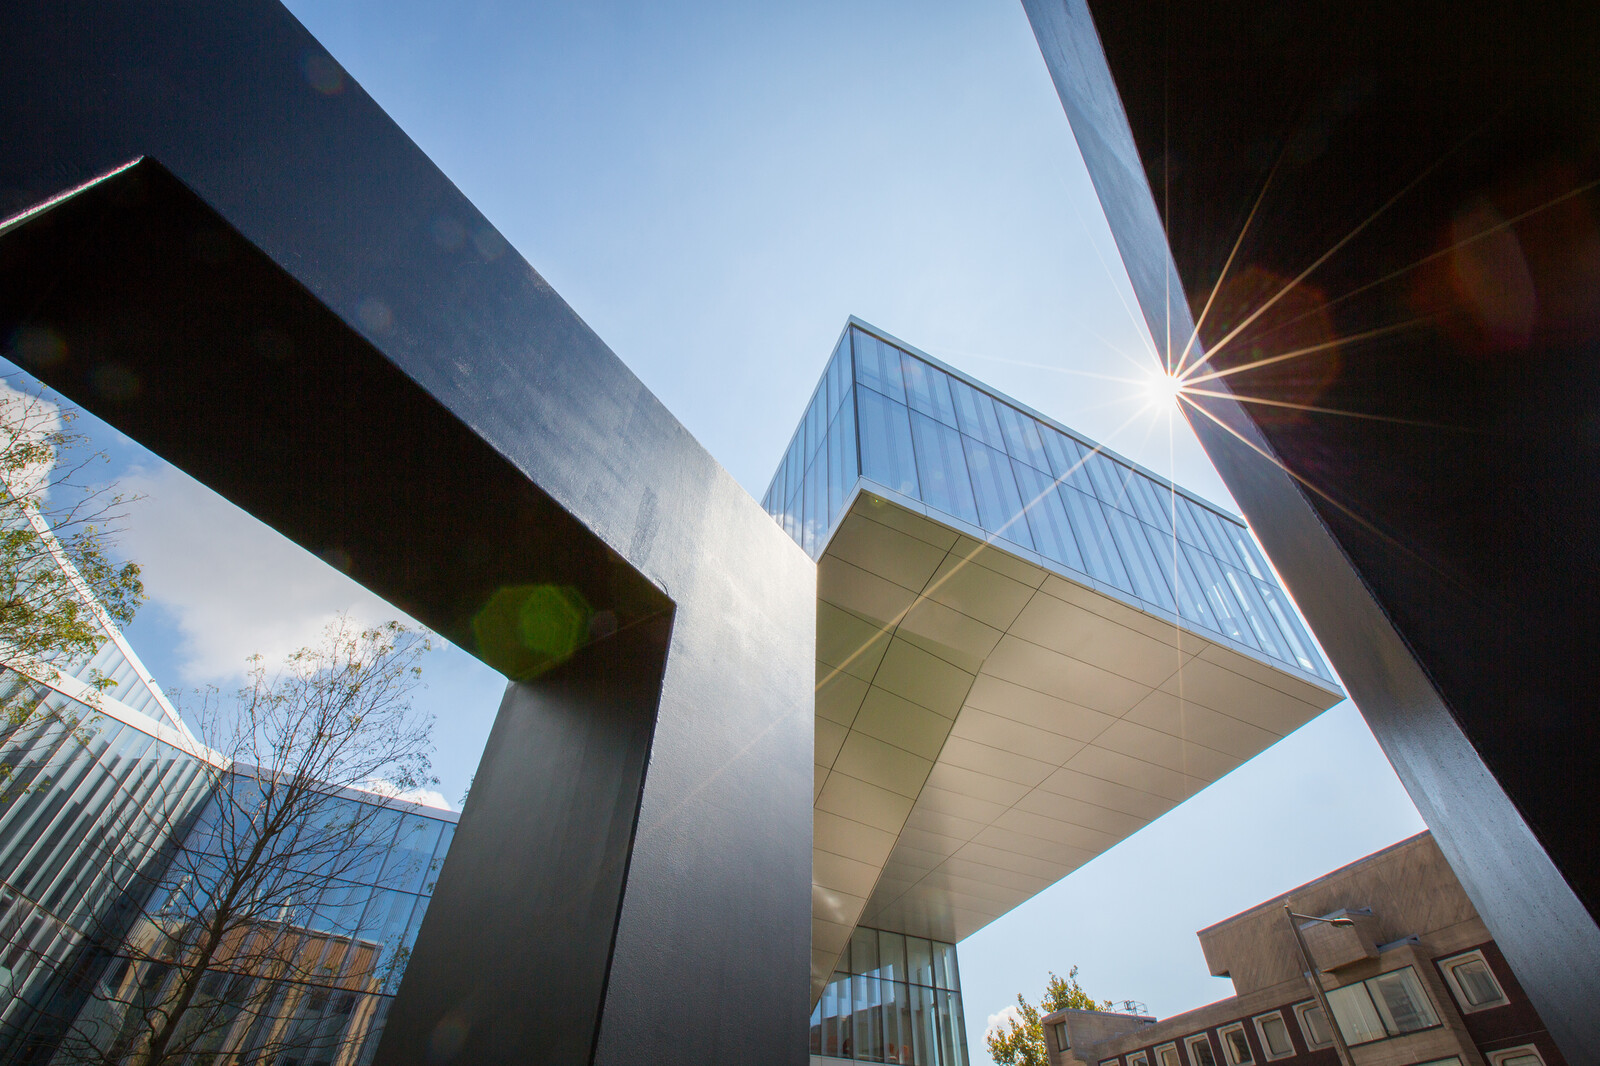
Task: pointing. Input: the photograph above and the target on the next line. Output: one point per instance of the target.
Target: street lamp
(1316, 982)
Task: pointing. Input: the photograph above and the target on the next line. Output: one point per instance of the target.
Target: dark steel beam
(1398, 202)
(219, 244)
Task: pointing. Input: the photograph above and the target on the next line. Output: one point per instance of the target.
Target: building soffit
(985, 726)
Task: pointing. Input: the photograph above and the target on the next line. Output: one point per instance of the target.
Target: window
(1314, 1024)
(1167, 1055)
(1472, 982)
(1402, 1002)
(1110, 1062)
(1062, 1043)
(1235, 1045)
(1199, 1048)
(1386, 1005)
(1274, 1034)
(1526, 1055)
(1138, 1058)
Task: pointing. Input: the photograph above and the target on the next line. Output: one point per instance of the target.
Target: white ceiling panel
(888, 552)
(991, 726)
(1031, 666)
(1035, 708)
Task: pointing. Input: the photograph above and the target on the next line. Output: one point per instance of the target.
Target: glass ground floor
(892, 998)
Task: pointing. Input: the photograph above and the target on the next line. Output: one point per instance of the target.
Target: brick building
(1413, 978)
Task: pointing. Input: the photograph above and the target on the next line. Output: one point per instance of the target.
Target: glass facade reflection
(98, 808)
(313, 980)
(894, 998)
(907, 424)
(89, 807)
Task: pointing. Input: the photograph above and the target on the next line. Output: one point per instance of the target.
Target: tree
(249, 922)
(57, 575)
(1021, 1042)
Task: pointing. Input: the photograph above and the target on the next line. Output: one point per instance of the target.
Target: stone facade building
(1414, 978)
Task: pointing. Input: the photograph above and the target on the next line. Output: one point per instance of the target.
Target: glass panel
(928, 390)
(1148, 503)
(1289, 625)
(1066, 459)
(1144, 569)
(1168, 1056)
(949, 1038)
(1175, 567)
(839, 374)
(924, 1027)
(1200, 1052)
(1047, 517)
(945, 973)
(1237, 1046)
(1183, 512)
(808, 520)
(976, 415)
(942, 468)
(842, 470)
(1094, 538)
(816, 1025)
(792, 471)
(1357, 1018)
(1316, 1025)
(1477, 984)
(1212, 527)
(897, 1025)
(919, 961)
(1275, 1034)
(1022, 437)
(1255, 613)
(407, 865)
(1109, 477)
(864, 951)
(958, 1020)
(1402, 1002)
(891, 956)
(816, 425)
(865, 1018)
(1245, 545)
(1229, 617)
(886, 456)
(817, 502)
(878, 366)
(999, 505)
(835, 1006)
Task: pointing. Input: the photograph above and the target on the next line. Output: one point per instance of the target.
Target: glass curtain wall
(88, 808)
(91, 812)
(314, 979)
(893, 999)
(886, 415)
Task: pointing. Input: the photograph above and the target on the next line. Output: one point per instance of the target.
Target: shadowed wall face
(1385, 223)
(278, 292)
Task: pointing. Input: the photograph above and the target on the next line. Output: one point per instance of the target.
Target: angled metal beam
(221, 245)
(1395, 206)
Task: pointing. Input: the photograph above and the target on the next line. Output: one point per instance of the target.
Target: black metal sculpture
(218, 243)
(1369, 239)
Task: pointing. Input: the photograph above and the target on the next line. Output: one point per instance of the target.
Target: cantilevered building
(1027, 648)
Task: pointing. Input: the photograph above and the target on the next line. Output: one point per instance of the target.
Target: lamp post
(1316, 981)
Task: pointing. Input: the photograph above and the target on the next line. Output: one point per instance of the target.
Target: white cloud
(425, 796)
(1002, 1020)
(234, 586)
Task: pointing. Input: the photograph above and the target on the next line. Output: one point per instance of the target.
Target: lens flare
(1164, 388)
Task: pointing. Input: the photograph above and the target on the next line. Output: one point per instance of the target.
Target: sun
(1163, 388)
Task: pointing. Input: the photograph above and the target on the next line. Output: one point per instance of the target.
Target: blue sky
(714, 187)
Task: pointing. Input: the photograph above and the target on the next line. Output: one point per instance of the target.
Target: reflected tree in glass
(277, 925)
